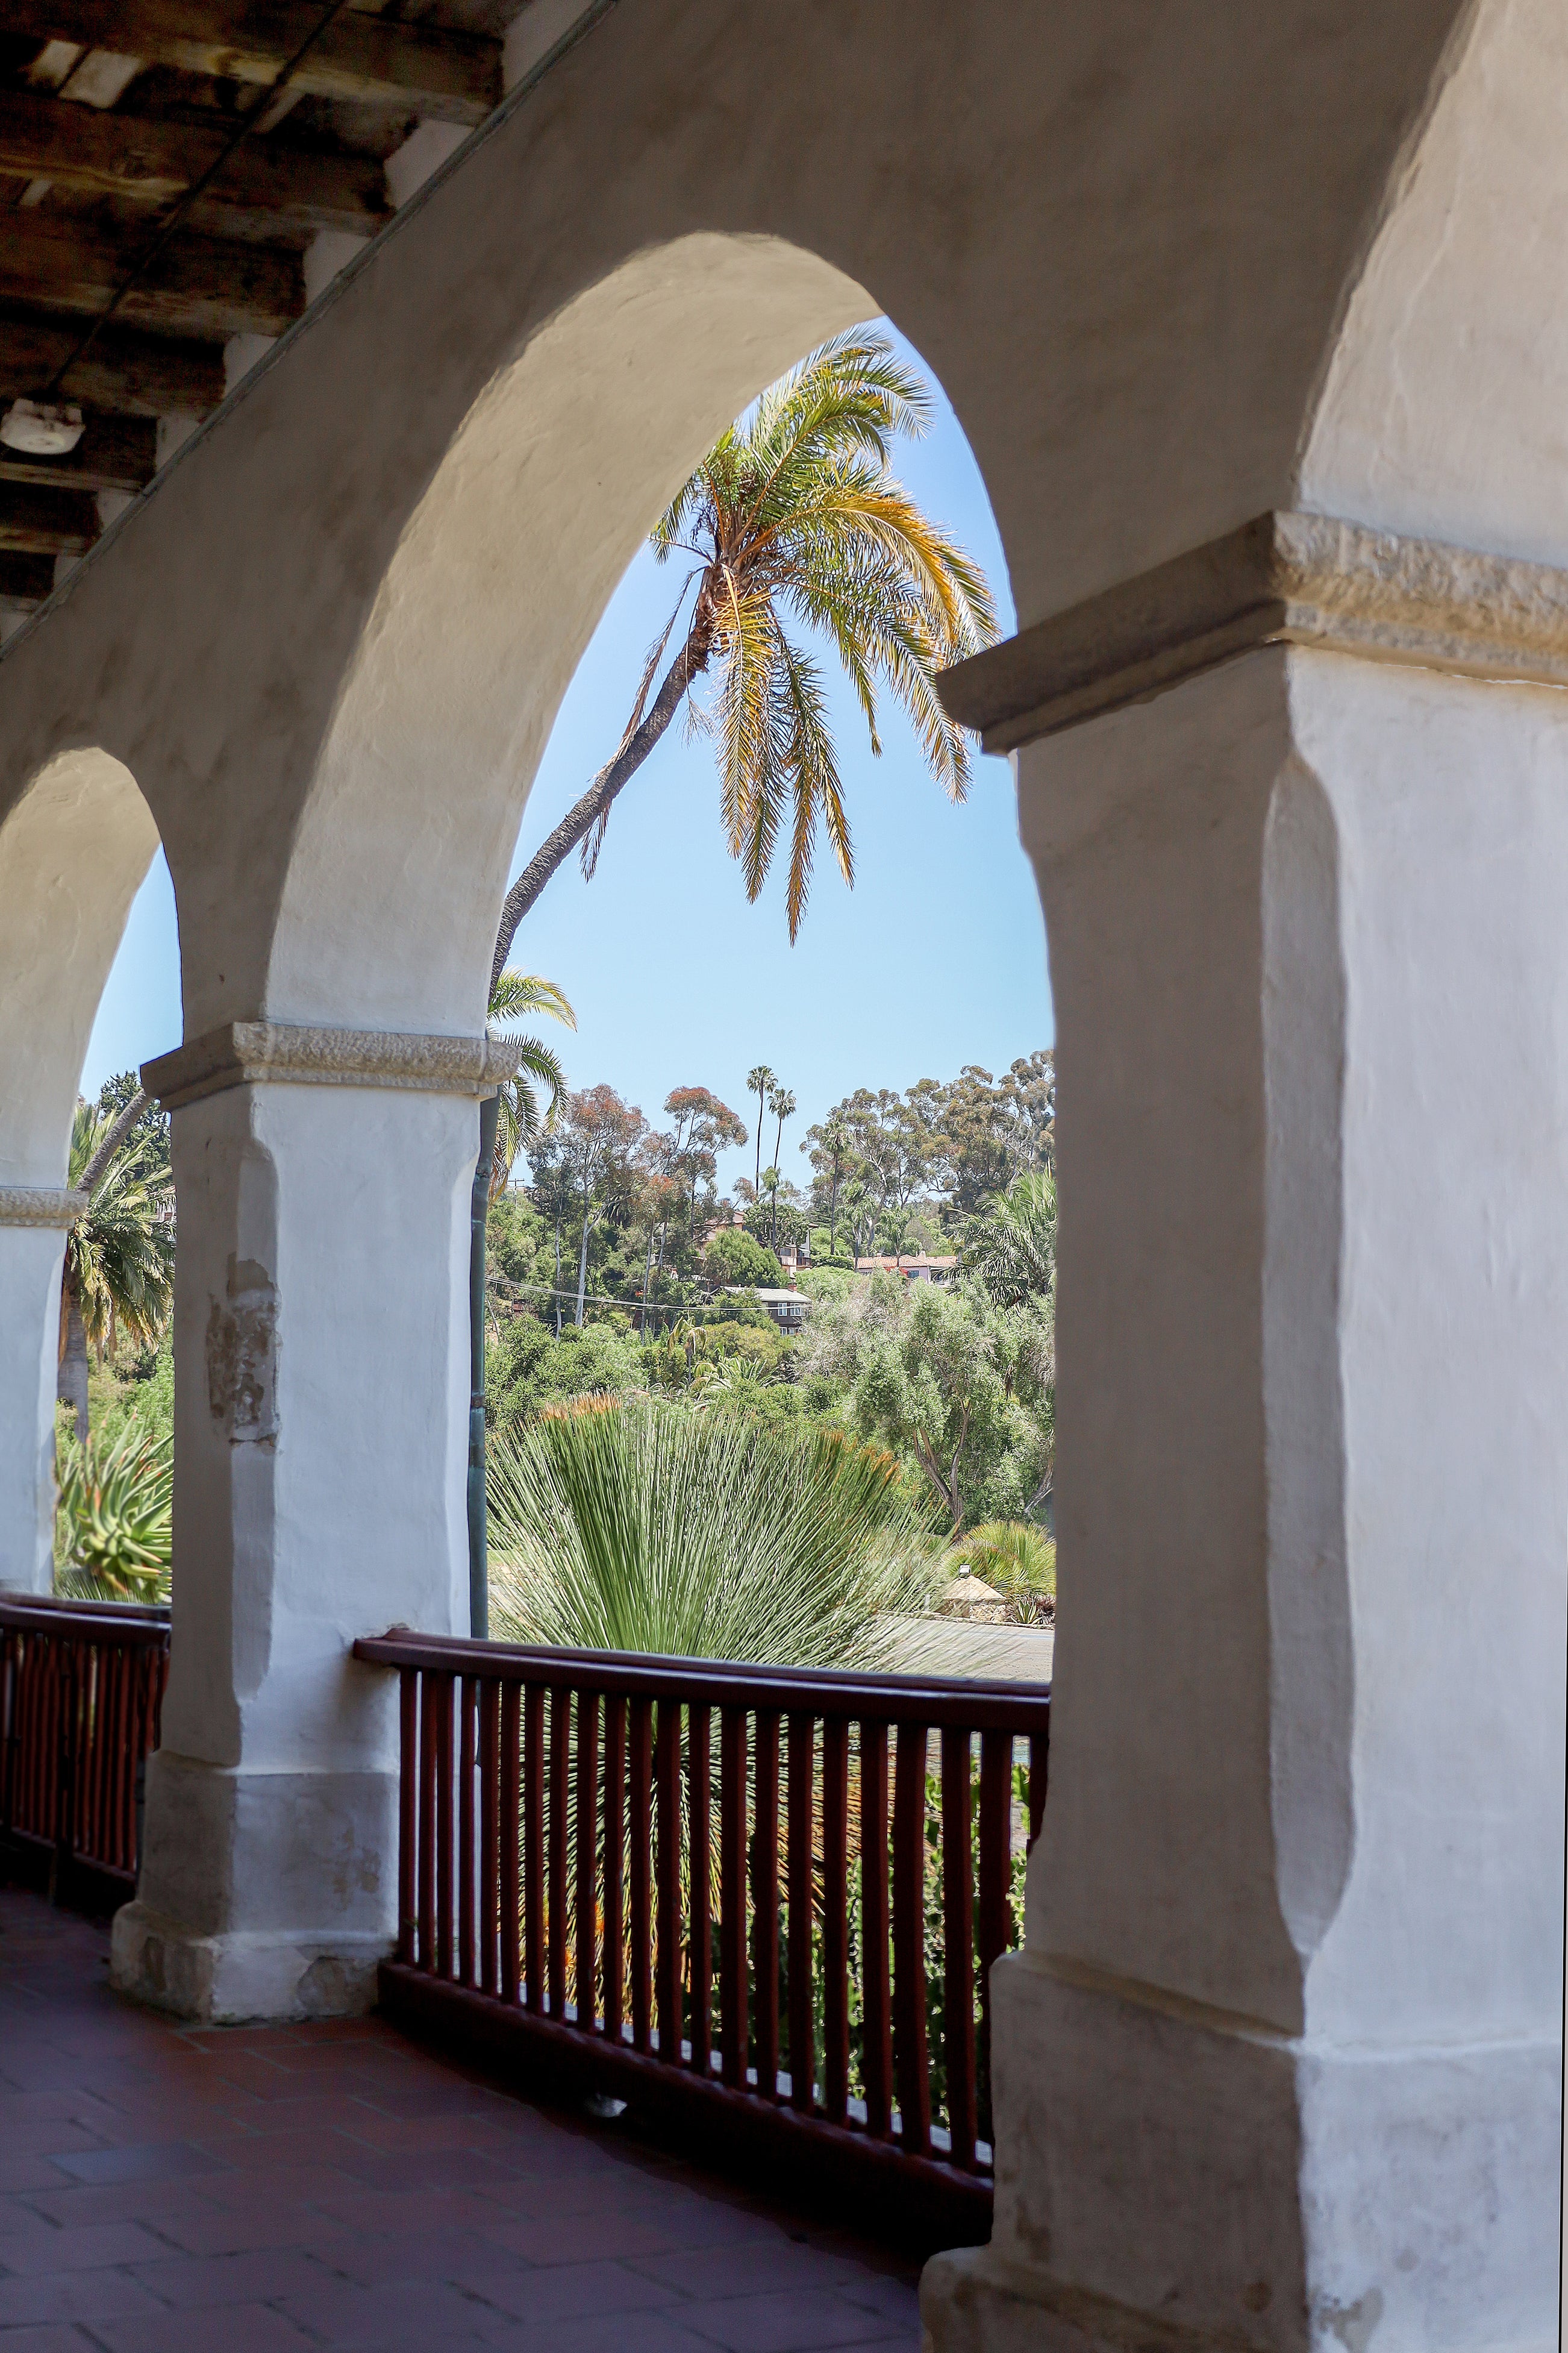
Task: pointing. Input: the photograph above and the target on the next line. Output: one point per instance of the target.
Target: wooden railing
(773, 1935)
(81, 1686)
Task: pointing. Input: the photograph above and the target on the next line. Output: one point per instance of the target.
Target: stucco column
(32, 1222)
(1279, 2065)
(321, 1432)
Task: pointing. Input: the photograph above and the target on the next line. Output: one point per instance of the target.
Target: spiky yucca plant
(646, 1525)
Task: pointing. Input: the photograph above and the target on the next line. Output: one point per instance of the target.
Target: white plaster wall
(1442, 411)
(74, 850)
(30, 1260)
(1122, 249)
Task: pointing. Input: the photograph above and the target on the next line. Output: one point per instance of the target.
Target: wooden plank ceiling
(111, 110)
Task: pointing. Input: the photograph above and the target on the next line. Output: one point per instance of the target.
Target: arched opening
(74, 850)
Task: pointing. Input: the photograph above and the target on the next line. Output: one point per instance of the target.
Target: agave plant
(115, 1523)
(647, 1525)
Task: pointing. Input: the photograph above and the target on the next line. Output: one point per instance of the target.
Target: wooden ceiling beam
(47, 522)
(451, 76)
(201, 287)
(25, 580)
(137, 375)
(115, 453)
(154, 163)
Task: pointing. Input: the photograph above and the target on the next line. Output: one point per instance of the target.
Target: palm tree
(836, 1145)
(781, 1101)
(758, 1081)
(118, 1272)
(1013, 1249)
(795, 513)
(514, 995)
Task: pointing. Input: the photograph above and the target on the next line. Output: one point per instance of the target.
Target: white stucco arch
(73, 851)
(550, 485)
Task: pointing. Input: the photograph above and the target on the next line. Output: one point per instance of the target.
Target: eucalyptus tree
(794, 517)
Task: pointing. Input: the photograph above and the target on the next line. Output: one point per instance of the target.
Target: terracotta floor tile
(796, 2321)
(71, 2295)
(92, 2247)
(374, 2318)
(248, 2328)
(259, 2277)
(138, 2161)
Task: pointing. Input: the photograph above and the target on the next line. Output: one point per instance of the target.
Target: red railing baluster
(877, 1993)
(426, 1821)
(835, 1919)
(534, 1847)
(489, 1849)
(587, 1827)
(466, 1696)
(1039, 1774)
(443, 1825)
(641, 1844)
(509, 1835)
(765, 1903)
(407, 1810)
(699, 1807)
(614, 1865)
(732, 1896)
(560, 1765)
(910, 2057)
(958, 1944)
(994, 1921)
(669, 1973)
(798, 1879)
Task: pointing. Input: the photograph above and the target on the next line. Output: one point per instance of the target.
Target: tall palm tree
(519, 1120)
(119, 1270)
(782, 1103)
(794, 513)
(758, 1081)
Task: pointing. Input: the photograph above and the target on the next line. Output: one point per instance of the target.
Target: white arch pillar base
(322, 1388)
(1280, 2066)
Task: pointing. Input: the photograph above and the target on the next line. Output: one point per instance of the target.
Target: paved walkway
(266, 2190)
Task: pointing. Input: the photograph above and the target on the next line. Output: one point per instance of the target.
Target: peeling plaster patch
(1354, 2324)
(242, 1356)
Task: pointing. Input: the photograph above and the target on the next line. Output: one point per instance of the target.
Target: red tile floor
(264, 2189)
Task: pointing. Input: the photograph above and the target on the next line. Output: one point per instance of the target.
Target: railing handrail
(934, 1700)
(134, 1624)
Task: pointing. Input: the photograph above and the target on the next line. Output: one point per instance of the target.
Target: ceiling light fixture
(40, 431)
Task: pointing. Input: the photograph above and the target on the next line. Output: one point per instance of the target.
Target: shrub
(650, 1526)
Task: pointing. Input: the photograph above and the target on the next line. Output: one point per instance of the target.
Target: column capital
(245, 1053)
(1282, 579)
(40, 1205)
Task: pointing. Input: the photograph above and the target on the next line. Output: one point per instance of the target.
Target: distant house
(789, 1309)
(915, 1267)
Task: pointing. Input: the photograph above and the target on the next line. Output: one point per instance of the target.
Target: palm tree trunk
(71, 1389)
(581, 819)
(112, 1142)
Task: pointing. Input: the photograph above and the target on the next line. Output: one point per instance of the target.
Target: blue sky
(935, 959)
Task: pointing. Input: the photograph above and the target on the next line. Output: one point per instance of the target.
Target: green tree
(794, 516)
(119, 1275)
(703, 1128)
(592, 1154)
(1012, 1251)
(961, 1389)
(733, 1256)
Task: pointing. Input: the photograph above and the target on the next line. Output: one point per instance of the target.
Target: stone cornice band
(1282, 579)
(40, 1205)
(244, 1053)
